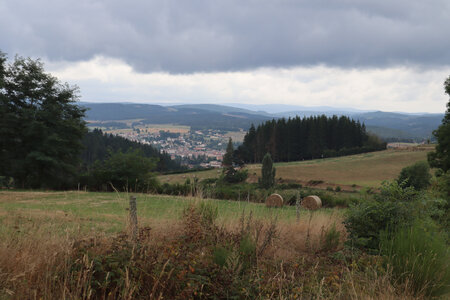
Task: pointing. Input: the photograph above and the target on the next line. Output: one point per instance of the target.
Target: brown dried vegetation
(195, 257)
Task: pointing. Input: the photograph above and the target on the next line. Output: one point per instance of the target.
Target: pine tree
(228, 157)
(267, 172)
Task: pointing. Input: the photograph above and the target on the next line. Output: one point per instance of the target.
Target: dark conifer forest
(307, 138)
(99, 145)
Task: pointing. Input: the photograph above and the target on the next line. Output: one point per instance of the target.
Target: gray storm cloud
(207, 36)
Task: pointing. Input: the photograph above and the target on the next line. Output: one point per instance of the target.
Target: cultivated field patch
(361, 170)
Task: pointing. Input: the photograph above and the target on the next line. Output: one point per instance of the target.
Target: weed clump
(419, 258)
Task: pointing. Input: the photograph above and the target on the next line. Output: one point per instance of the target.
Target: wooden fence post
(297, 207)
(133, 218)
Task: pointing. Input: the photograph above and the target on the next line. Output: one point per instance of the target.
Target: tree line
(307, 138)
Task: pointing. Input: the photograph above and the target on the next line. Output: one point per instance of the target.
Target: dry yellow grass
(367, 170)
(40, 240)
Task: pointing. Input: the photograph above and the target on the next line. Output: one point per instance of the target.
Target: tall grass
(192, 249)
(418, 258)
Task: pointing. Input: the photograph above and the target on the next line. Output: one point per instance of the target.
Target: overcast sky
(385, 55)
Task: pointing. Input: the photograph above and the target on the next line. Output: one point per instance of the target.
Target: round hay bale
(311, 202)
(274, 200)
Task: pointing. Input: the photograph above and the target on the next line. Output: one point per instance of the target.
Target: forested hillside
(98, 145)
(198, 118)
(307, 138)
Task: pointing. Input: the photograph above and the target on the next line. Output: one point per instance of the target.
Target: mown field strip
(108, 211)
(368, 169)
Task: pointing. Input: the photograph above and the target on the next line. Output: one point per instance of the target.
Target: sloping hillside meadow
(78, 245)
(362, 170)
(74, 245)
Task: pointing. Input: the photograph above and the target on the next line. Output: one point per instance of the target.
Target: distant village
(194, 149)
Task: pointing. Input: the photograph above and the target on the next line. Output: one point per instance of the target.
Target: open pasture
(363, 170)
(107, 212)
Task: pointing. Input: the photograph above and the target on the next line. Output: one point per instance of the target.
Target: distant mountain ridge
(388, 125)
(198, 118)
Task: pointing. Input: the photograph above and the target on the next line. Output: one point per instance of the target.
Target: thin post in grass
(133, 218)
(297, 207)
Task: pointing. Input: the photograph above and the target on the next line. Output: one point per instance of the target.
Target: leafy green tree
(440, 158)
(267, 172)
(41, 126)
(125, 171)
(417, 176)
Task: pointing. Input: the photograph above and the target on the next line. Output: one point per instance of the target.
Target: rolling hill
(349, 172)
(206, 117)
(388, 125)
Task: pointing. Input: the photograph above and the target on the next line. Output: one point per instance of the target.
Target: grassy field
(364, 170)
(74, 245)
(106, 212)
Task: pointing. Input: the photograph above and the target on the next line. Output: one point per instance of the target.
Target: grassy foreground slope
(71, 245)
(368, 169)
(106, 212)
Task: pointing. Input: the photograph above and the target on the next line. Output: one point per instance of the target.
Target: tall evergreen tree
(228, 157)
(267, 172)
(440, 158)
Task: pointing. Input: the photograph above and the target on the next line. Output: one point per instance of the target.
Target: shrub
(247, 251)
(330, 240)
(207, 181)
(419, 257)
(315, 182)
(231, 175)
(391, 208)
(289, 186)
(208, 211)
(220, 255)
(125, 171)
(444, 187)
(338, 189)
(417, 176)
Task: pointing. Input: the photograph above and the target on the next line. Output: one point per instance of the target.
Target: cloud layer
(230, 35)
(389, 89)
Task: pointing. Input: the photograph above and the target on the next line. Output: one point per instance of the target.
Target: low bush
(289, 186)
(232, 175)
(417, 176)
(6, 182)
(330, 238)
(221, 255)
(418, 257)
(394, 206)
